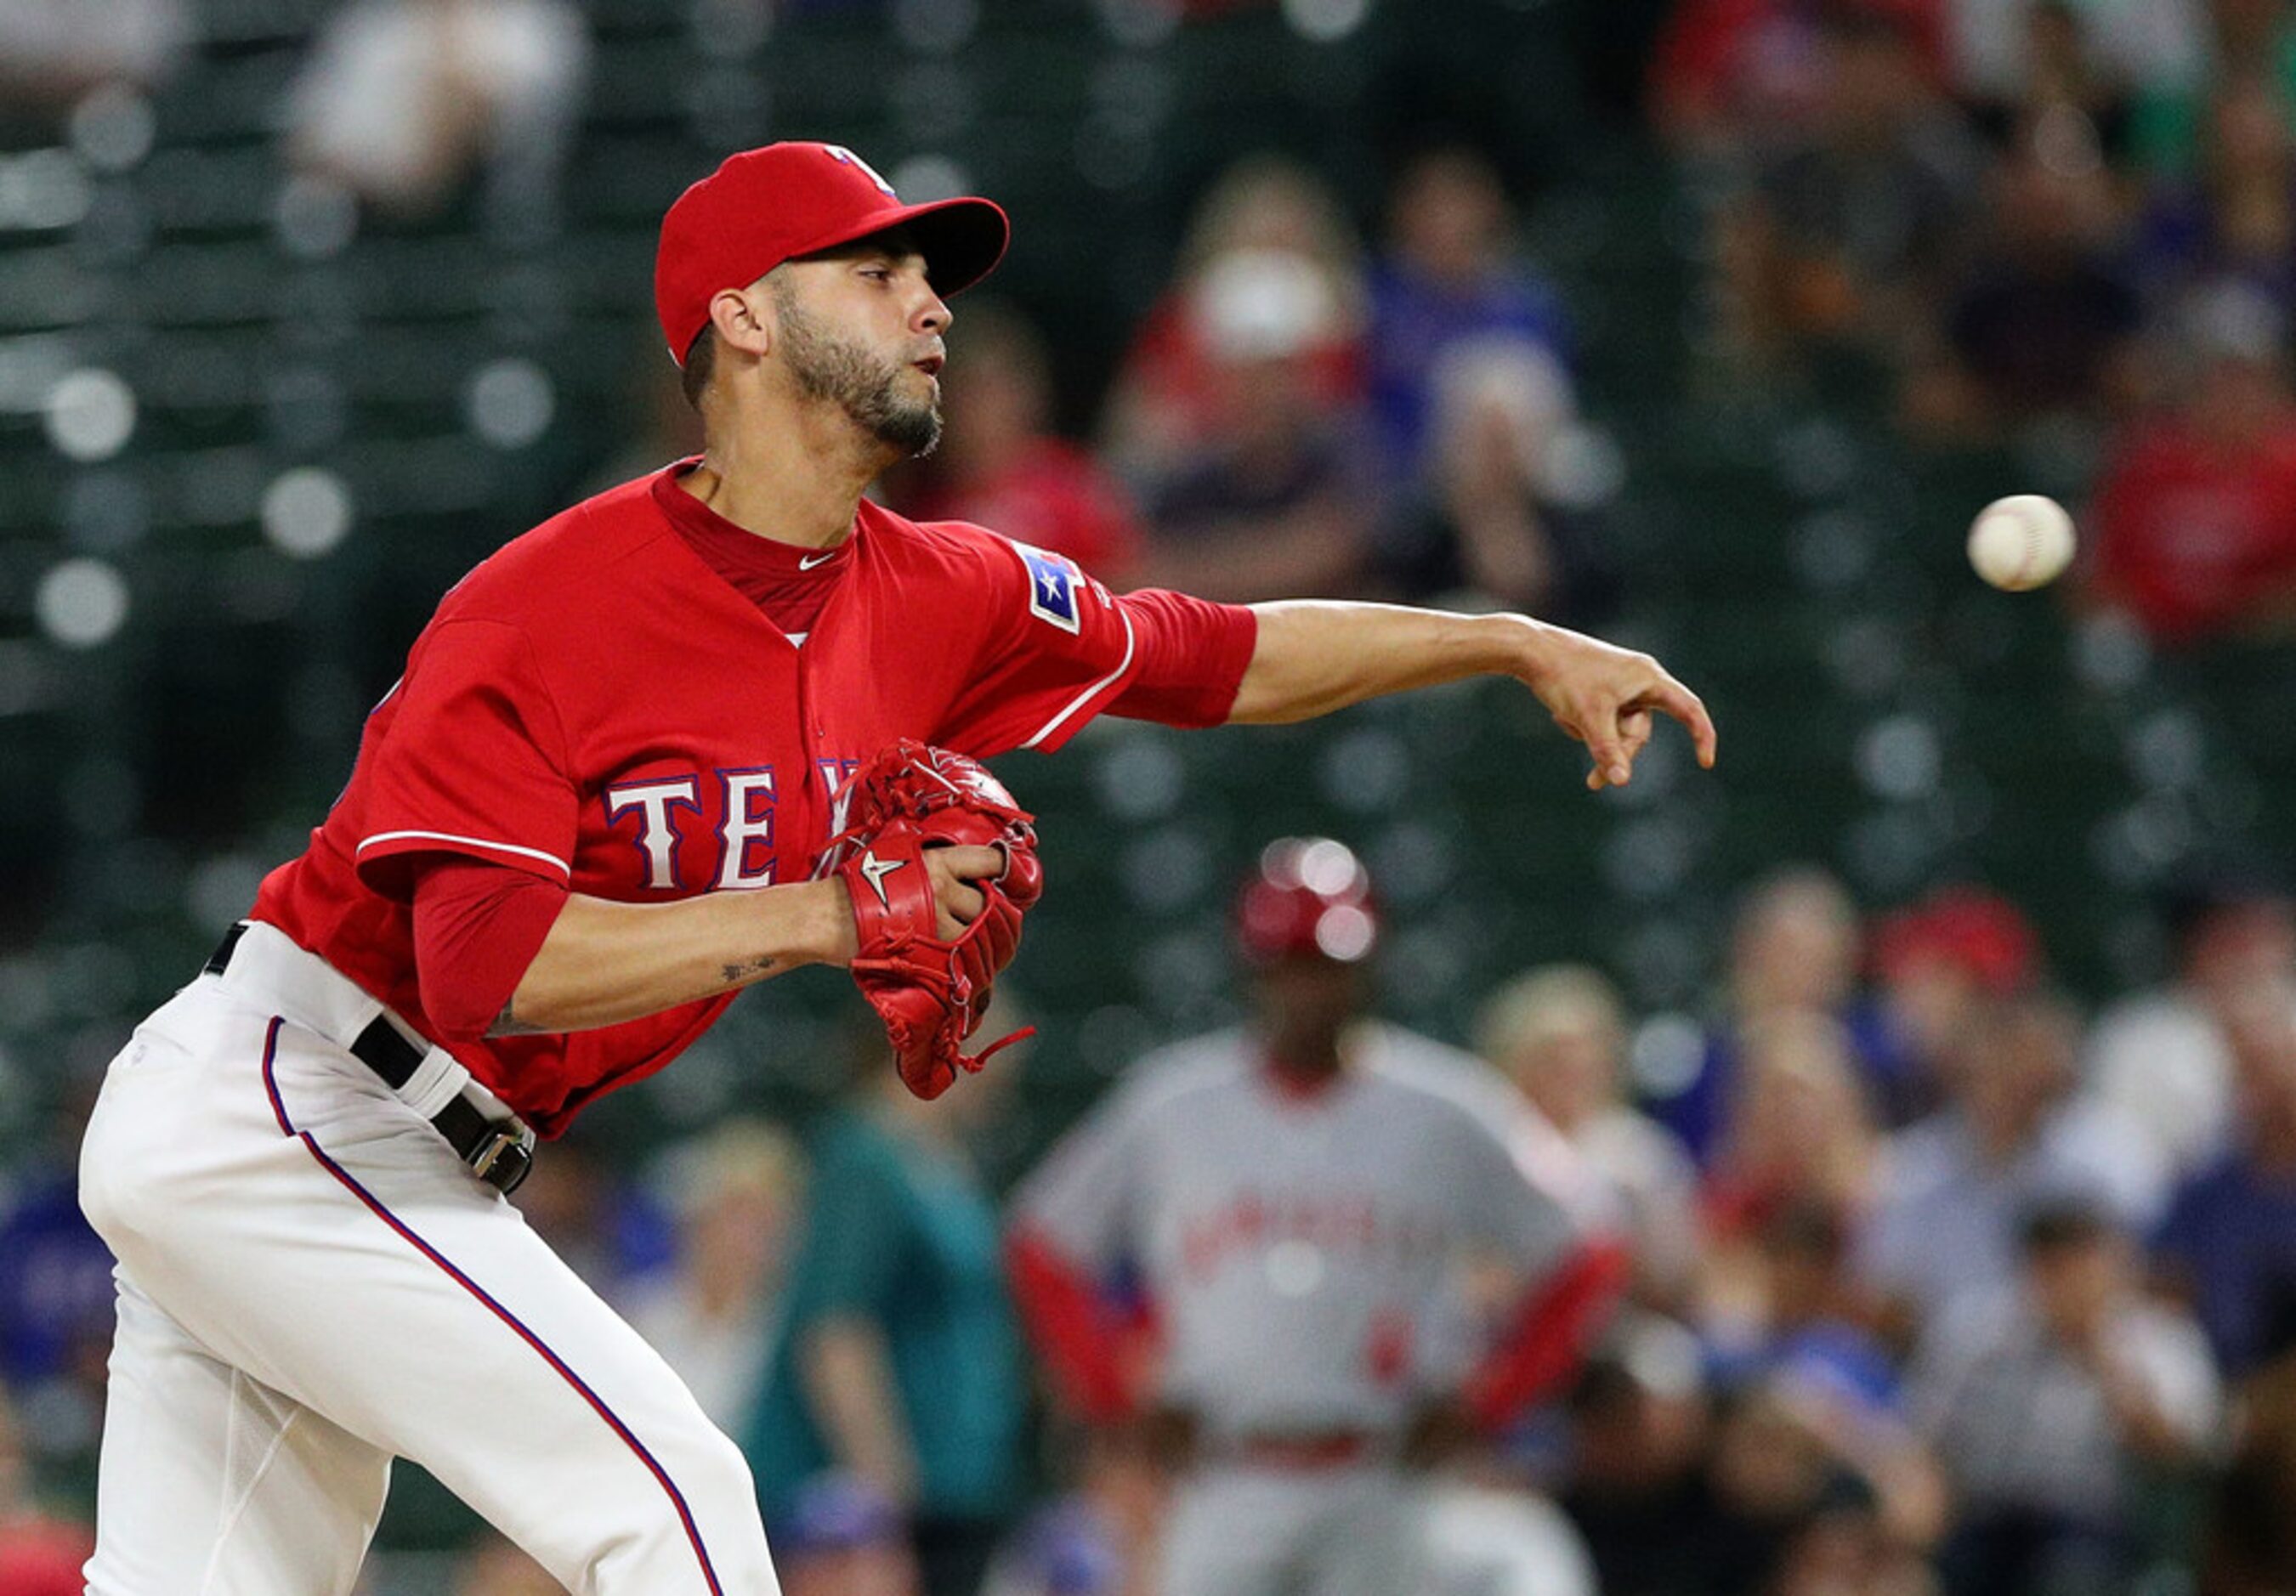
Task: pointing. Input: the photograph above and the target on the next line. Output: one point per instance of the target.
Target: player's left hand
(1608, 698)
(940, 865)
(1440, 1432)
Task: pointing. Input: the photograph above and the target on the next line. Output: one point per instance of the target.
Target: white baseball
(2024, 541)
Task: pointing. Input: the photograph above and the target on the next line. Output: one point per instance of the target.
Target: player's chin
(912, 430)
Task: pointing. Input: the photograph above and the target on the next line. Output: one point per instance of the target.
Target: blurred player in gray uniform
(1297, 1205)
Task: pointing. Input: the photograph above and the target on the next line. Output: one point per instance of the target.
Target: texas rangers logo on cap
(839, 153)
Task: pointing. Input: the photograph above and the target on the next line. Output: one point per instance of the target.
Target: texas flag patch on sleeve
(1053, 583)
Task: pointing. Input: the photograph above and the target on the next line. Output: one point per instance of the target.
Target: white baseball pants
(312, 1282)
(1242, 1531)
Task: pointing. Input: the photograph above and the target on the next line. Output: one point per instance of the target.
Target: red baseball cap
(763, 206)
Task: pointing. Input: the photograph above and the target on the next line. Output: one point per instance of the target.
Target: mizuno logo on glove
(876, 870)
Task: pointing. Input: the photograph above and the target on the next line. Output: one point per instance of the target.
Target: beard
(864, 384)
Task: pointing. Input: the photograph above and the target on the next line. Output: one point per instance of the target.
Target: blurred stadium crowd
(1939, 1054)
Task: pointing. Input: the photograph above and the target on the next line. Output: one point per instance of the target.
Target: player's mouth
(930, 365)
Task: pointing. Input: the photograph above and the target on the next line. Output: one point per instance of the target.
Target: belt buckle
(505, 1157)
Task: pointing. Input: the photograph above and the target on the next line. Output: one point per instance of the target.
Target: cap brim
(961, 240)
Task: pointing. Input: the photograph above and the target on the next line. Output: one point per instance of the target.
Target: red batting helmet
(1310, 897)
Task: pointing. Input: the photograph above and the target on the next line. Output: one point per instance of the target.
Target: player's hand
(1610, 698)
(954, 869)
(1171, 1438)
(1440, 1432)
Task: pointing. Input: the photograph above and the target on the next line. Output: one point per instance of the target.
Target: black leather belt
(499, 1151)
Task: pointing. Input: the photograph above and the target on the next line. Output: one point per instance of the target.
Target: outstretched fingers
(1686, 707)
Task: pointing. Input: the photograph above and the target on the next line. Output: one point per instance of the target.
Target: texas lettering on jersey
(715, 832)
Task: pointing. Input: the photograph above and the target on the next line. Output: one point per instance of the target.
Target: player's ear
(742, 318)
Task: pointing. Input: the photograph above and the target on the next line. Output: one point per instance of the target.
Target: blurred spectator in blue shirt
(899, 1359)
(2014, 1133)
(1100, 1538)
(2051, 1399)
(56, 1298)
(2228, 1244)
(2042, 324)
(1448, 278)
(2236, 217)
(1795, 947)
(842, 1536)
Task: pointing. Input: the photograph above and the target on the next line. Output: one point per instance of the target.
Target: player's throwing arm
(1312, 657)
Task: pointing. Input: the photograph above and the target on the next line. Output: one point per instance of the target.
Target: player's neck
(794, 480)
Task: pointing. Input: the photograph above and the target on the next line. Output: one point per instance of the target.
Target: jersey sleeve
(1059, 647)
(471, 759)
(1080, 1200)
(1521, 1190)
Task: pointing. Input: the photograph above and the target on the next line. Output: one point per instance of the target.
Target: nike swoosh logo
(806, 562)
(875, 870)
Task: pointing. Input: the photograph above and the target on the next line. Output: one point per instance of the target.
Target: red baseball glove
(930, 991)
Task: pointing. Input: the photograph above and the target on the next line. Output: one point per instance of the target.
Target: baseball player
(597, 805)
(1301, 1202)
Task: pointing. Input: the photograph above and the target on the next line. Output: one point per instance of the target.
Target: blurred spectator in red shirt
(1000, 464)
(1937, 964)
(1725, 72)
(1165, 404)
(1799, 1132)
(39, 1556)
(2196, 514)
(1284, 502)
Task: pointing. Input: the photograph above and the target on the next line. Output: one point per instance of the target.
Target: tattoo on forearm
(508, 1024)
(749, 971)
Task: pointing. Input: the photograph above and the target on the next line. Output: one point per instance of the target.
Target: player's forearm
(847, 1376)
(1315, 655)
(604, 962)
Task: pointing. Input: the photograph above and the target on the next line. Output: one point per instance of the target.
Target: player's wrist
(1531, 651)
(831, 936)
(815, 924)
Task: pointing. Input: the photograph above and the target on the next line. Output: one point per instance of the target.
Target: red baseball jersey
(597, 706)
